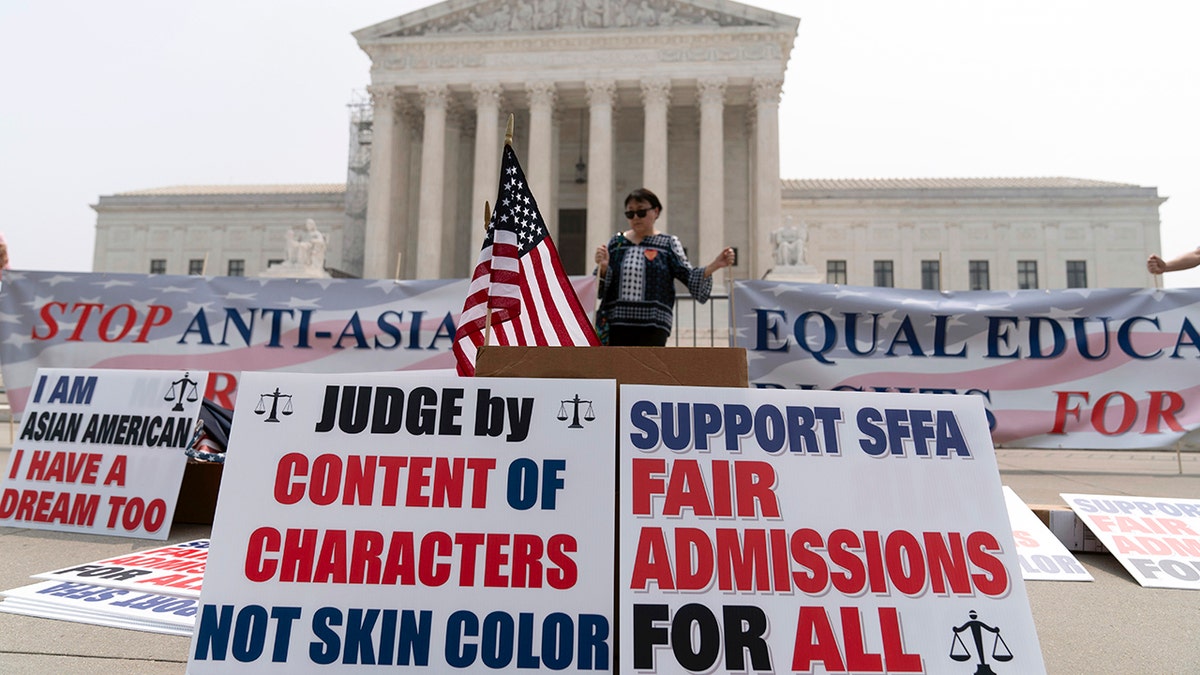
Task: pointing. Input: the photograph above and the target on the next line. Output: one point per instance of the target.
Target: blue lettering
(641, 416)
(389, 328)
(800, 329)
(764, 327)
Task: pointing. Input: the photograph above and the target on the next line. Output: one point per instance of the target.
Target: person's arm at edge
(1185, 261)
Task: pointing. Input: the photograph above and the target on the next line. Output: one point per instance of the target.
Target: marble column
(487, 160)
(378, 235)
(712, 171)
(539, 166)
(432, 192)
(656, 101)
(768, 192)
(601, 96)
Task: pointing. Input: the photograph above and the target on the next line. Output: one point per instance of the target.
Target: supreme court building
(681, 97)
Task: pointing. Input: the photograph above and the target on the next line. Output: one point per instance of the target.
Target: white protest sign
(88, 603)
(177, 569)
(1043, 557)
(1157, 539)
(101, 451)
(412, 519)
(813, 532)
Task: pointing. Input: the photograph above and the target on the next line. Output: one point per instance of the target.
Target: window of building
(1027, 274)
(158, 266)
(196, 266)
(835, 272)
(884, 274)
(274, 261)
(931, 275)
(237, 268)
(977, 272)
(1076, 274)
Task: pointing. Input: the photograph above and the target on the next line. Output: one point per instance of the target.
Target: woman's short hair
(644, 195)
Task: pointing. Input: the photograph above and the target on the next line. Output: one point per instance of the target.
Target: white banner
(224, 325)
(1043, 557)
(1157, 539)
(1074, 368)
(419, 520)
(813, 532)
(101, 451)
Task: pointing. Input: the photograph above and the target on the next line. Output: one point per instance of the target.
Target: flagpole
(398, 255)
(487, 219)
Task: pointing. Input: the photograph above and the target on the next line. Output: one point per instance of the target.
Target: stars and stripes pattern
(1061, 368)
(519, 279)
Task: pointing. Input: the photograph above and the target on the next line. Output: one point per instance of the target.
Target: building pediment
(491, 17)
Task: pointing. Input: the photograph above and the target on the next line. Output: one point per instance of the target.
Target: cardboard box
(198, 493)
(686, 366)
(1069, 529)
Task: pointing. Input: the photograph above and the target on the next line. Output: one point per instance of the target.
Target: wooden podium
(684, 366)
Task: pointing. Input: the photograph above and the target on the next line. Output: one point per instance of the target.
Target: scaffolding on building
(358, 172)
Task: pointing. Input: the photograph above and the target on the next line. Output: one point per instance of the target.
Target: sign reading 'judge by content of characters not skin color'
(416, 520)
(815, 532)
(101, 451)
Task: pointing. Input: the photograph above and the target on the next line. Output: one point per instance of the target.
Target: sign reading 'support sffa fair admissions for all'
(101, 451)
(815, 532)
(418, 521)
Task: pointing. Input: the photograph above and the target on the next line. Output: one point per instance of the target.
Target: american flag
(520, 279)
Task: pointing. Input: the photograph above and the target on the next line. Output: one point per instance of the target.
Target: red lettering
(994, 581)
(259, 568)
(1128, 416)
(1061, 410)
(48, 318)
(526, 561)
(802, 544)
(87, 308)
(652, 561)
(815, 642)
(565, 574)
(107, 319)
(433, 546)
(1163, 406)
(220, 388)
(365, 563)
(288, 490)
(153, 313)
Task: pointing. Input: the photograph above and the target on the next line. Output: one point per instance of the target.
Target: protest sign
(177, 569)
(813, 532)
(1157, 539)
(1043, 557)
(418, 520)
(101, 451)
(103, 606)
(1071, 368)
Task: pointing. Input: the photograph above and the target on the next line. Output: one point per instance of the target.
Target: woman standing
(637, 271)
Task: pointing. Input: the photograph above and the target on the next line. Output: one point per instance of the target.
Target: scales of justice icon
(588, 414)
(187, 391)
(261, 408)
(960, 652)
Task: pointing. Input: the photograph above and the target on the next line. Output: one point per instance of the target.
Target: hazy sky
(104, 97)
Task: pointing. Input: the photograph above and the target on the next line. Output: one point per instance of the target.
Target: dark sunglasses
(640, 213)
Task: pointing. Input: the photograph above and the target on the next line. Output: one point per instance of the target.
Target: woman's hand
(725, 258)
(602, 260)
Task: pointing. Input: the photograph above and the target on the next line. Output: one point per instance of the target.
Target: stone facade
(225, 229)
(608, 96)
(1038, 225)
